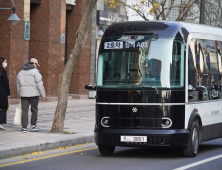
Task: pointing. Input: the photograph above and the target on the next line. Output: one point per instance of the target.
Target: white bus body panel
(209, 111)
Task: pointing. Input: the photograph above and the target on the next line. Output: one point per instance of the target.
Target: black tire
(106, 150)
(192, 149)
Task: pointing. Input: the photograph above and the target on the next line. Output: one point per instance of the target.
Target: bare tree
(188, 8)
(81, 37)
(161, 9)
(213, 13)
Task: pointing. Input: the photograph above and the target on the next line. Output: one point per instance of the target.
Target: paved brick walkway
(80, 119)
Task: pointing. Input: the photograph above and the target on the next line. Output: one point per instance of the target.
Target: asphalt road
(87, 157)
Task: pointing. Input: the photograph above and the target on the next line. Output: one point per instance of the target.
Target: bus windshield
(141, 61)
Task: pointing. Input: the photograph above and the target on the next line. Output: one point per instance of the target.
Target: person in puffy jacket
(29, 88)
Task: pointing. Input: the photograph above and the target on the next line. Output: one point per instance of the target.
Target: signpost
(26, 30)
(71, 2)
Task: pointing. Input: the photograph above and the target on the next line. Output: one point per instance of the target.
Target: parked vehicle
(154, 86)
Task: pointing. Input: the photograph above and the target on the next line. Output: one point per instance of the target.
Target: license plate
(133, 138)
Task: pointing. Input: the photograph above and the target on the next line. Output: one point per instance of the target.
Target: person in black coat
(4, 92)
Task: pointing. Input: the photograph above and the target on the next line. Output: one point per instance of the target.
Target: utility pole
(202, 11)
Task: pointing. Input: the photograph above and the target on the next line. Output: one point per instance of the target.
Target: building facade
(46, 32)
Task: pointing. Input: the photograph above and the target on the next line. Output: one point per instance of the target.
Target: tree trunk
(81, 37)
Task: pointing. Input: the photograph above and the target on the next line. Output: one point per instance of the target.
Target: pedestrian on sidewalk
(4, 92)
(30, 87)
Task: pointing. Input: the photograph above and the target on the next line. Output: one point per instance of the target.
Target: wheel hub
(195, 140)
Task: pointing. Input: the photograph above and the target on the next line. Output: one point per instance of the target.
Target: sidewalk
(79, 123)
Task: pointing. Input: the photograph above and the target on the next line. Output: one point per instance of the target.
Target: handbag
(18, 116)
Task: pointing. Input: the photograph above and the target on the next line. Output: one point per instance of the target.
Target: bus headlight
(166, 122)
(105, 121)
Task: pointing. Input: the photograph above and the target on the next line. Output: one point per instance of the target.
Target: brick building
(47, 32)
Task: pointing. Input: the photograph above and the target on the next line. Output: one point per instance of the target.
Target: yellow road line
(45, 157)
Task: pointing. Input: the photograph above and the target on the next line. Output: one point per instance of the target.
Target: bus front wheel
(106, 150)
(192, 149)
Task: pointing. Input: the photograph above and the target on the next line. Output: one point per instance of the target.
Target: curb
(46, 144)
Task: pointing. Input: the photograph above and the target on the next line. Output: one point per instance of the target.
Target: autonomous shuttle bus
(158, 84)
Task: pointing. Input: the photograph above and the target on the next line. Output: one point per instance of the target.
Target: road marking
(50, 156)
(199, 162)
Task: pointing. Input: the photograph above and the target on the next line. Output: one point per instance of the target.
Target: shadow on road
(145, 153)
(213, 145)
(163, 152)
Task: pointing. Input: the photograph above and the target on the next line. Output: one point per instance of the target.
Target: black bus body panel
(140, 96)
(146, 117)
(170, 29)
(111, 137)
(146, 121)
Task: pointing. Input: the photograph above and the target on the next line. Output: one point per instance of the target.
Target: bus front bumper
(112, 137)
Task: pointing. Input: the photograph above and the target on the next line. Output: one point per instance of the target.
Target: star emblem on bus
(134, 109)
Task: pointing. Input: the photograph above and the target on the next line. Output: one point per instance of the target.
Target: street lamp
(100, 33)
(13, 18)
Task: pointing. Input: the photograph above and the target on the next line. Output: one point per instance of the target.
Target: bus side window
(205, 70)
(214, 69)
(219, 54)
(199, 62)
(197, 74)
(192, 73)
(201, 87)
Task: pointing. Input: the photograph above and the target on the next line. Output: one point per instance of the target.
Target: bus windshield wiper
(151, 87)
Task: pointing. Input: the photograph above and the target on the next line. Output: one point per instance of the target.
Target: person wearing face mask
(29, 88)
(4, 92)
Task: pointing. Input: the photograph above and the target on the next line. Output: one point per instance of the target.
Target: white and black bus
(158, 84)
